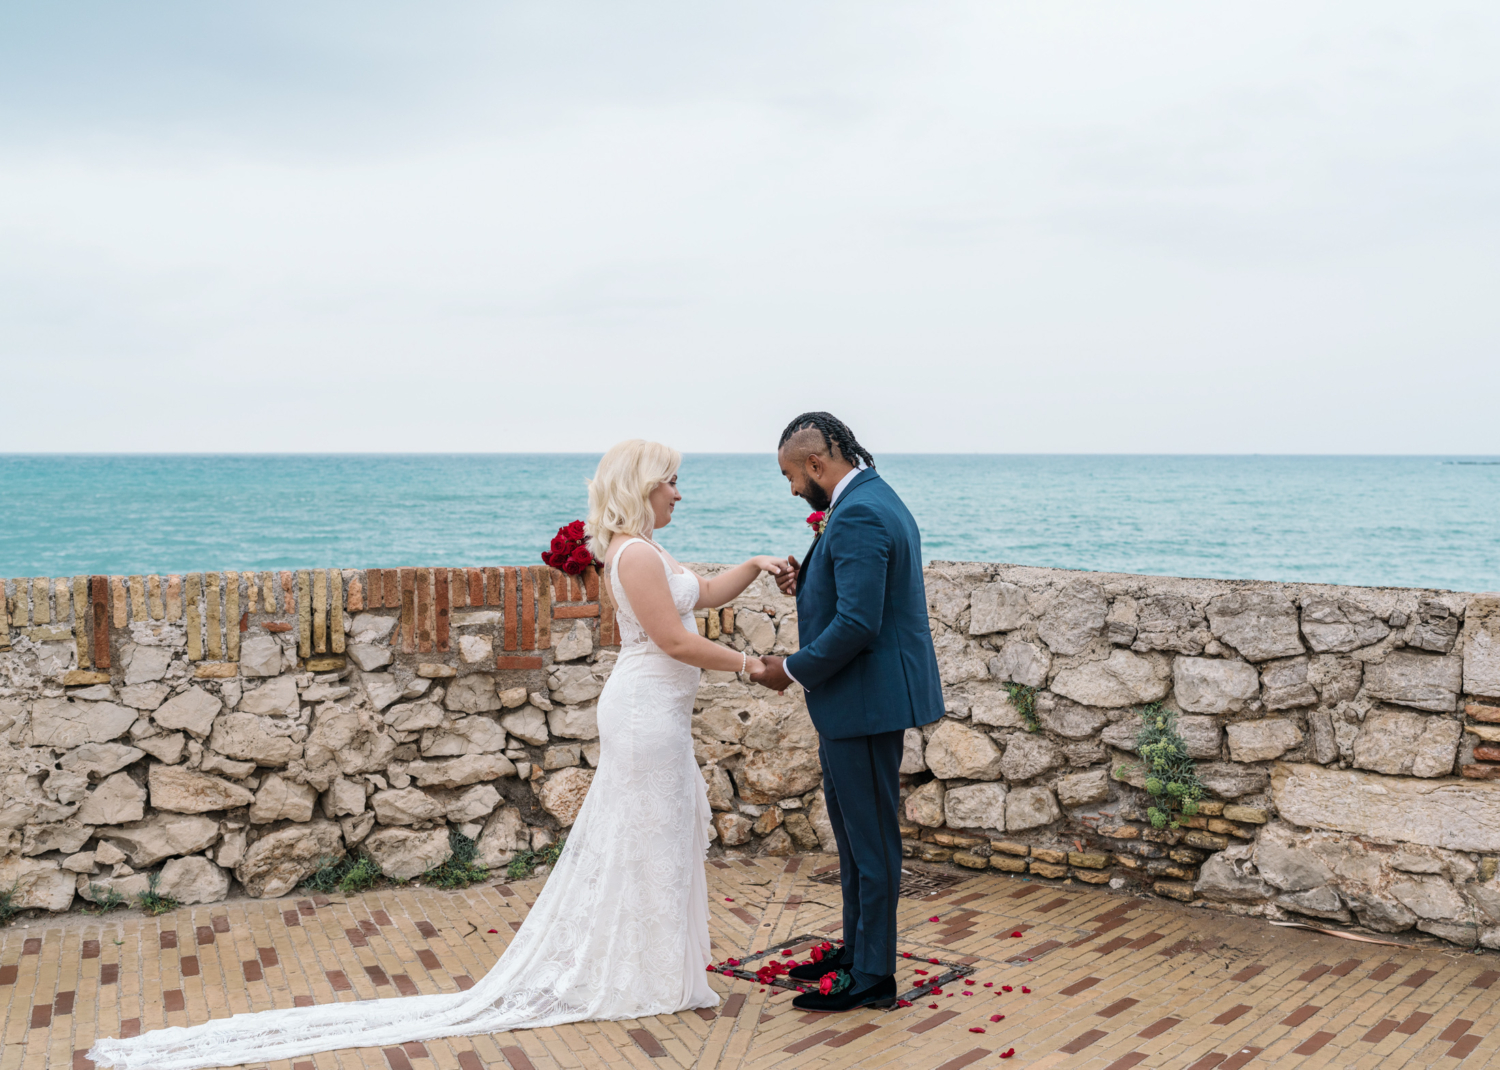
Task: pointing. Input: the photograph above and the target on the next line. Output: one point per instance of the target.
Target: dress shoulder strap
(615, 564)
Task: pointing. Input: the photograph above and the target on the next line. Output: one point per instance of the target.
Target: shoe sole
(878, 1004)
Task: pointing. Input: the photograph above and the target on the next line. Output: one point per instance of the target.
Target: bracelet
(744, 659)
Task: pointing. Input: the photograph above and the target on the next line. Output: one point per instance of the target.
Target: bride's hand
(754, 665)
(767, 563)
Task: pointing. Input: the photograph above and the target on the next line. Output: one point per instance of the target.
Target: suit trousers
(862, 788)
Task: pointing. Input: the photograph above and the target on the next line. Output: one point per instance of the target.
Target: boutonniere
(817, 521)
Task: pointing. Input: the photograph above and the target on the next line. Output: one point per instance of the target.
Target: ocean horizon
(1373, 520)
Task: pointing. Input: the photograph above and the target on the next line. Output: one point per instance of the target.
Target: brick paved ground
(1115, 983)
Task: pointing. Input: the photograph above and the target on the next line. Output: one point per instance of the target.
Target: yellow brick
(41, 602)
(153, 597)
(138, 611)
(232, 616)
(120, 607)
(211, 597)
(320, 610)
(81, 619)
(336, 610)
(194, 621)
(304, 614)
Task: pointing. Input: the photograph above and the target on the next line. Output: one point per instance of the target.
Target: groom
(869, 672)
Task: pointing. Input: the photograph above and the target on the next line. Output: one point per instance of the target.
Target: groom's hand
(787, 581)
(772, 676)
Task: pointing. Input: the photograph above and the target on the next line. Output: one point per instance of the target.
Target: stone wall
(226, 728)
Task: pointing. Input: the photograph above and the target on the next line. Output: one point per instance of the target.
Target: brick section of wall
(99, 610)
(336, 610)
(528, 609)
(408, 610)
(508, 583)
(424, 610)
(543, 578)
(441, 603)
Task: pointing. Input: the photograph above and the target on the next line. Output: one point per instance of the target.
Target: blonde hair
(621, 487)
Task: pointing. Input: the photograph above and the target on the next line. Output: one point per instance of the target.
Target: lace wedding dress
(619, 931)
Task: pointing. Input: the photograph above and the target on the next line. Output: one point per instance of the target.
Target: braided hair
(835, 434)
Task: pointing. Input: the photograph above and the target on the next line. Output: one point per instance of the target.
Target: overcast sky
(993, 226)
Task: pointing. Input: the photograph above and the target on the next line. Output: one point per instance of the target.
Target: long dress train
(619, 931)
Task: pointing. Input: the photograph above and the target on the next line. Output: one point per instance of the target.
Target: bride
(621, 928)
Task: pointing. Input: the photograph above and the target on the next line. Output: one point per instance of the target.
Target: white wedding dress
(619, 931)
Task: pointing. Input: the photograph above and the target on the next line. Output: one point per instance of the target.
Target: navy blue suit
(869, 670)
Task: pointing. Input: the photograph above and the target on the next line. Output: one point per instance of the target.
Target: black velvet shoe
(881, 994)
(841, 959)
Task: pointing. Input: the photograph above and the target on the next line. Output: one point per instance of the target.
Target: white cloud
(991, 227)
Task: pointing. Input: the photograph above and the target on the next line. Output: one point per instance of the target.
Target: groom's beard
(816, 497)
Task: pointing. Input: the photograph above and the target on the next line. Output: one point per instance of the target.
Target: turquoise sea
(1395, 521)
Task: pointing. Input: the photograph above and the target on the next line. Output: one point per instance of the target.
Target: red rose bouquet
(569, 552)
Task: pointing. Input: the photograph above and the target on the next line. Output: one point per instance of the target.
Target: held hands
(770, 674)
(766, 563)
(754, 666)
(786, 579)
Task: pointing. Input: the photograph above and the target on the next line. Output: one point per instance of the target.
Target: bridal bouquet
(570, 552)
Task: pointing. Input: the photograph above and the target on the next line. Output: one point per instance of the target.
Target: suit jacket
(866, 657)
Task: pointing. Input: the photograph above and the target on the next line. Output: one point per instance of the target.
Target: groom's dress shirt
(837, 490)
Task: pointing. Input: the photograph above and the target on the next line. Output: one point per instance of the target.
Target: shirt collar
(844, 483)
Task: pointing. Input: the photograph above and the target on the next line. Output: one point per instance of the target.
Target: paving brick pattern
(1187, 988)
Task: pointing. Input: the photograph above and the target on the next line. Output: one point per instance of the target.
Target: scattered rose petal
(976, 1029)
(1007, 1054)
(787, 952)
(728, 899)
(906, 954)
(936, 991)
(966, 993)
(1006, 988)
(968, 980)
(1015, 934)
(933, 918)
(494, 930)
(997, 1017)
(1026, 990)
(934, 962)
(922, 972)
(903, 1003)
(932, 1006)
(989, 984)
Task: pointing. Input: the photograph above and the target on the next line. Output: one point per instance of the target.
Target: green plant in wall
(348, 875)
(153, 901)
(1023, 698)
(8, 907)
(105, 900)
(525, 861)
(462, 867)
(1171, 776)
